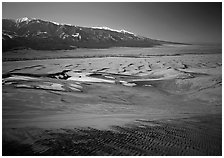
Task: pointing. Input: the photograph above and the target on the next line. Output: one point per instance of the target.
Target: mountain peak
(24, 19)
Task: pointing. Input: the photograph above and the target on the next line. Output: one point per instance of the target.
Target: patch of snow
(148, 85)
(21, 78)
(75, 35)
(10, 36)
(124, 31)
(54, 22)
(110, 77)
(39, 32)
(81, 77)
(75, 89)
(61, 35)
(107, 28)
(65, 36)
(60, 23)
(7, 83)
(111, 37)
(68, 24)
(25, 19)
(127, 84)
(152, 79)
(75, 86)
(23, 86)
(53, 86)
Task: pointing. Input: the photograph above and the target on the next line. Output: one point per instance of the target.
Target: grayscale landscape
(96, 91)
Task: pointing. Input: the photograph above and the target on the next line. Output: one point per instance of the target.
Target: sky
(188, 22)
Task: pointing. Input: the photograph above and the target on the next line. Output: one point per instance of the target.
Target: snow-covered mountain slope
(46, 35)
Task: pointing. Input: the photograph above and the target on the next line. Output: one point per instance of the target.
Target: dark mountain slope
(45, 35)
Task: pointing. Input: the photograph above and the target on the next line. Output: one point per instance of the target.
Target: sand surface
(107, 89)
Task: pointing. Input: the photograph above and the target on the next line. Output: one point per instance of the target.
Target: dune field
(119, 101)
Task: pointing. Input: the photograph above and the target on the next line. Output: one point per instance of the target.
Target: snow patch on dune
(21, 78)
(82, 77)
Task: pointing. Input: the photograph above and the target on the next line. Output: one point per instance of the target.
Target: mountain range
(46, 35)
